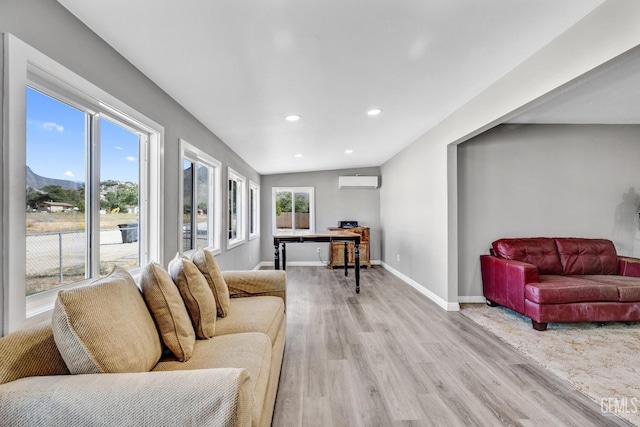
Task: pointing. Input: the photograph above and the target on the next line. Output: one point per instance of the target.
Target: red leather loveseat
(562, 280)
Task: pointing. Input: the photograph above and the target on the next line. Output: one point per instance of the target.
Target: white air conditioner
(358, 181)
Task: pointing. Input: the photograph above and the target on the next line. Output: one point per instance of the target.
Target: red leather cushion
(554, 289)
(539, 251)
(587, 256)
(628, 287)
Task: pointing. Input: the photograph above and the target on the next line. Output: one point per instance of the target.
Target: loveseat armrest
(251, 283)
(628, 266)
(207, 397)
(504, 280)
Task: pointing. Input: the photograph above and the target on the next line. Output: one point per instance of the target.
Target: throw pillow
(204, 260)
(168, 310)
(105, 327)
(196, 294)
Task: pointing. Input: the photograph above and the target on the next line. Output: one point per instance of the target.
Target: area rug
(601, 362)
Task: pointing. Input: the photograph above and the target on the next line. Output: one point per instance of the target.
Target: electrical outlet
(398, 257)
(319, 250)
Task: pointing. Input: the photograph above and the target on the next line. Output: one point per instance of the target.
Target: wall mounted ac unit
(358, 181)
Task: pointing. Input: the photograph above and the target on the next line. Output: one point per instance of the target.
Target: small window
(293, 209)
(254, 210)
(200, 189)
(237, 210)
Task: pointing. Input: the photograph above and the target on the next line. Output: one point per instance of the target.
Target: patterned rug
(601, 362)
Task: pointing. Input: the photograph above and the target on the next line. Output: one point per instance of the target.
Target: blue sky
(56, 143)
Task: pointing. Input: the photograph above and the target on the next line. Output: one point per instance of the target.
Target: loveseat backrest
(30, 352)
(561, 255)
(587, 256)
(539, 251)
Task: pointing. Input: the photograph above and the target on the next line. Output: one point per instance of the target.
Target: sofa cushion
(628, 287)
(251, 351)
(255, 314)
(554, 289)
(587, 256)
(168, 310)
(30, 352)
(105, 327)
(205, 261)
(196, 294)
(539, 251)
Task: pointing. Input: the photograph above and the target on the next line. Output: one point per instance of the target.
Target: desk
(325, 237)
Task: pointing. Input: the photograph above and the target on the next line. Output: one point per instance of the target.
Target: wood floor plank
(389, 356)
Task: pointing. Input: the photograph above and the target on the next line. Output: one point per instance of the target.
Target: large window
(61, 185)
(237, 210)
(293, 209)
(254, 210)
(200, 210)
(82, 184)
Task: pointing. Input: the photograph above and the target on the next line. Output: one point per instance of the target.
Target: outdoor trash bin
(129, 232)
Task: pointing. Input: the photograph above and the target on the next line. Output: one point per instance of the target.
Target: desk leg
(276, 256)
(284, 256)
(346, 258)
(357, 266)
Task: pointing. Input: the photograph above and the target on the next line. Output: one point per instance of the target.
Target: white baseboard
(472, 300)
(304, 264)
(449, 306)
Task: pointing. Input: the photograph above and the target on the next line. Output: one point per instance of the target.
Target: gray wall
(546, 180)
(331, 204)
(50, 28)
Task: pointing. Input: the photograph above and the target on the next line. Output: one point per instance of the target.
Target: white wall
(425, 172)
(546, 180)
(332, 205)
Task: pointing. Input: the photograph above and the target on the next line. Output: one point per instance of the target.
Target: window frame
(254, 210)
(194, 154)
(294, 190)
(241, 209)
(26, 66)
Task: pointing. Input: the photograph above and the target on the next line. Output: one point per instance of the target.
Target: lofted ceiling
(240, 66)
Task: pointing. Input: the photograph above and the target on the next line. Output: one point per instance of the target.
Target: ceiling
(241, 66)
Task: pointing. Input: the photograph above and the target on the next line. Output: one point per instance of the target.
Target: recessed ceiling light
(293, 117)
(298, 155)
(348, 151)
(374, 112)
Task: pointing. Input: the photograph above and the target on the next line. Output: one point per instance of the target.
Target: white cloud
(52, 126)
(48, 126)
(69, 174)
(117, 147)
(131, 158)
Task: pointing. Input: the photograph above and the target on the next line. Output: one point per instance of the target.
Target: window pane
(284, 218)
(187, 204)
(302, 211)
(252, 211)
(55, 180)
(233, 209)
(203, 207)
(119, 196)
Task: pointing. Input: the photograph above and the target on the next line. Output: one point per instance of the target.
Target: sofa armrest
(251, 283)
(628, 266)
(208, 397)
(503, 280)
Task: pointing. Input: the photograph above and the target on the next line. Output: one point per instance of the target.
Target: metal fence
(57, 258)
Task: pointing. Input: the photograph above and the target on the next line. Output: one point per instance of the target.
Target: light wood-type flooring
(391, 357)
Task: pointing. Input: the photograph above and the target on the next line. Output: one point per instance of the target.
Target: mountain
(36, 181)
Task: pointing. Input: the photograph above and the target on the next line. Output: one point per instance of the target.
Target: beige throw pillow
(105, 327)
(196, 294)
(204, 260)
(168, 310)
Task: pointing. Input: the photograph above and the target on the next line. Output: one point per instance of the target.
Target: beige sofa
(230, 379)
